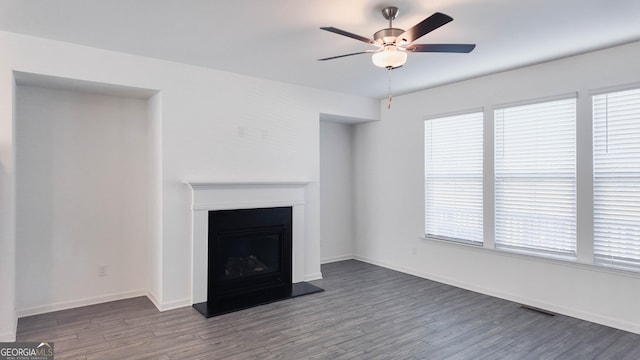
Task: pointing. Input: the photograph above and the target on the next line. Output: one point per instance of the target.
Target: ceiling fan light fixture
(390, 57)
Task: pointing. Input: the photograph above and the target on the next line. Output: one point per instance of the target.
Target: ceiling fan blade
(449, 48)
(339, 56)
(347, 34)
(424, 27)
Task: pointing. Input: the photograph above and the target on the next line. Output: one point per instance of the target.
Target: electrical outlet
(102, 271)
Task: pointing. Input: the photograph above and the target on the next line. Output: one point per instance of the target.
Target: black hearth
(249, 260)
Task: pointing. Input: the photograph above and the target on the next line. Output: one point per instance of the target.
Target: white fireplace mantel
(229, 195)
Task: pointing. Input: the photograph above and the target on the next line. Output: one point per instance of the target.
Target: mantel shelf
(228, 183)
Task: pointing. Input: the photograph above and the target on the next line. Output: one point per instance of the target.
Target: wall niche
(87, 192)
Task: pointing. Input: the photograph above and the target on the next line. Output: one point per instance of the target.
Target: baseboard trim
(336, 259)
(36, 310)
(64, 305)
(598, 319)
(154, 300)
(175, 304)
(314, 276)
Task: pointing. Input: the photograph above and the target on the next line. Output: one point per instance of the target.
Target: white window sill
(536, 257)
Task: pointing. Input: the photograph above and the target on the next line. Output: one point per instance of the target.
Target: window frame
(629, 264)
(462, 115)
(537, 179)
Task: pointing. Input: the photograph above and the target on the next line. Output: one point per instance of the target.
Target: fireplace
(248, 255)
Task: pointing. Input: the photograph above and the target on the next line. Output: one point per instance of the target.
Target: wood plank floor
(366, 312)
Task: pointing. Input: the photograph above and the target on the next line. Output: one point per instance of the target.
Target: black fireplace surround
(249, 260)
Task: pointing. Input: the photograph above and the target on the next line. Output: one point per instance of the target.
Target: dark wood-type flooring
(366, 312)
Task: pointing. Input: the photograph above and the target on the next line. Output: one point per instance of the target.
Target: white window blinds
(453, 177)
(535, 177)
(616, 178)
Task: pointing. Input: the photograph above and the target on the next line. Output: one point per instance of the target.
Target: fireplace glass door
(249, 251)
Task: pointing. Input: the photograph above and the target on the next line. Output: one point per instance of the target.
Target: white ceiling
(281, 39)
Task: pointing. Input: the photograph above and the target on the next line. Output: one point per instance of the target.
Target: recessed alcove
(87, 192)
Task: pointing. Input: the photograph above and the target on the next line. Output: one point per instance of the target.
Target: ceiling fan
(393, 44)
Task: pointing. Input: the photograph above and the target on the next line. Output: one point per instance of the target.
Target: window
(616, 178)
(453, 177)
(535, 177)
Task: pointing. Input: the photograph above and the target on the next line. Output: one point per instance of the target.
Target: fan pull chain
(390, 96)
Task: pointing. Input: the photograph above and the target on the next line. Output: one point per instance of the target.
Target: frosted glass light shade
(390, 57)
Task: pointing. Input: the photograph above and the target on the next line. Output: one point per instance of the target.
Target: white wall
(202, 111)
(81, 198)
(154, 188)
(8, 318)
(336, 191)
(390, 193)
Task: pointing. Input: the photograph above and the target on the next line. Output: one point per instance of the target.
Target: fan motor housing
(387, 36)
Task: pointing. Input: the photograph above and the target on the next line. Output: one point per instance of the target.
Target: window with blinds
(453, 177)
(535, 177)
(616, 178)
